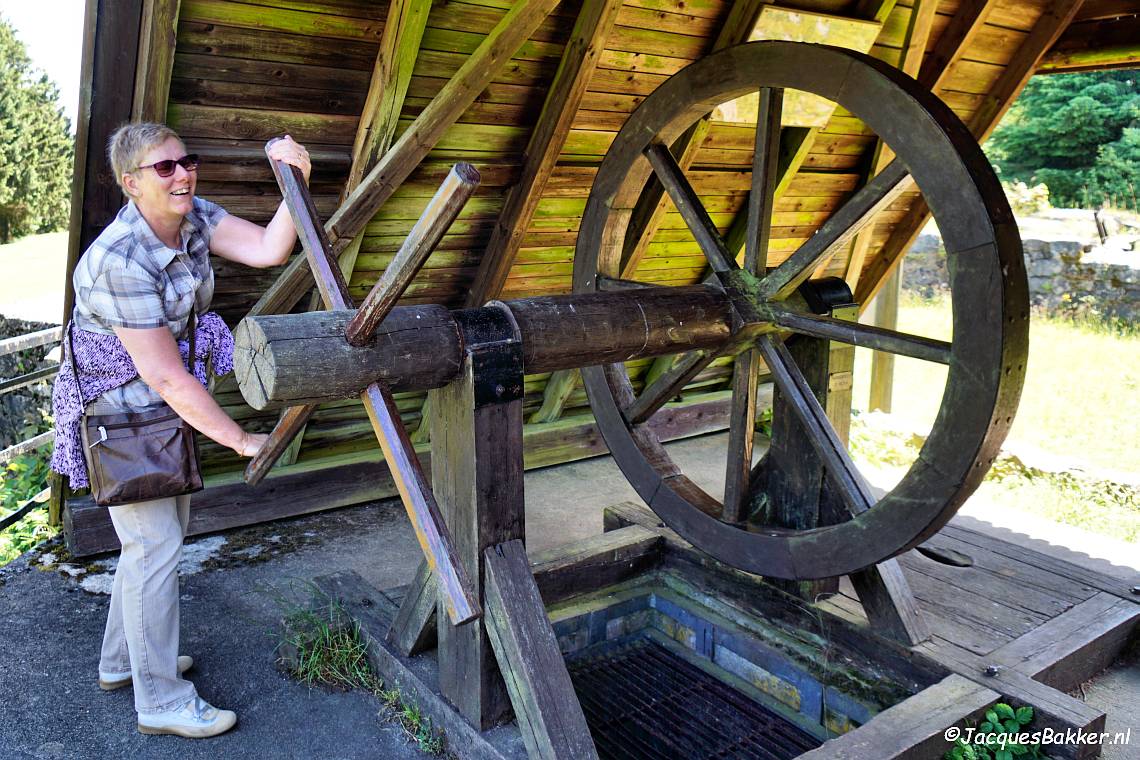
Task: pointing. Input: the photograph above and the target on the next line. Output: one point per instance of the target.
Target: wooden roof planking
(229, 75)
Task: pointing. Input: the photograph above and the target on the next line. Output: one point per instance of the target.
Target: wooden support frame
(413, 145)
(549, 716)
(561, 572)
(595, 20)
(1049, 27)
(477, 467)
(456, 589)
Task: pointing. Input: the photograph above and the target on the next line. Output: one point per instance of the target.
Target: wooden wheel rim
(987, 281)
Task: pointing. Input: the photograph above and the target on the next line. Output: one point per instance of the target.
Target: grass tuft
(321, 645)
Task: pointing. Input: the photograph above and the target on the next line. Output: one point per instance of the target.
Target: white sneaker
(194, 720)
(112, 681)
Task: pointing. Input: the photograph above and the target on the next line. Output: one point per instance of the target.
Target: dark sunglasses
(189, 162)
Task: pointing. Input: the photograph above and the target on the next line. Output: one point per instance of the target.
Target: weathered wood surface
(477, 466)
(157, 32)
(914, 729)
(546, 706)
(413, 629)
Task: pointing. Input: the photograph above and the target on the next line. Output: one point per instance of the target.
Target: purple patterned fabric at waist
(103, 365)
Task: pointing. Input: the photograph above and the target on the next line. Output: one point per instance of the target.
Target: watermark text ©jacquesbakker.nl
(1043, 737)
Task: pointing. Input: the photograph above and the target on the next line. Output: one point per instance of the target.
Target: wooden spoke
(765, 172)
(866, 336)
(437, 217)
(690, 207)
(837, 231)
(742, 427)
(292, 421)
(853, 490)
(667, 385)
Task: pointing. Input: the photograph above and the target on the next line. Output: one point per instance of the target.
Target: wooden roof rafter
(595, 20)
(412, 146)
(1049, 26)
(914, 48)
(651, 206)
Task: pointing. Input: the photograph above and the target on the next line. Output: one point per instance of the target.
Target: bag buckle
(102, 437)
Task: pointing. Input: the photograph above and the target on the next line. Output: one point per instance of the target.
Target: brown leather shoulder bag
(139, 456)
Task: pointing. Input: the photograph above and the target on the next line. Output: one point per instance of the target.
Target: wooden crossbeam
(1057, 16)
(414, 144)
(579, 59)
(549, 715)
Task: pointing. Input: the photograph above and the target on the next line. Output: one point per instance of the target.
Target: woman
(135, 290)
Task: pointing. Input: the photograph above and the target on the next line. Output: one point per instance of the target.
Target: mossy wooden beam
(1052, 22)
(391, 75)
(412, 146)
(1099, 59)
(558, 389)
(157, 32)
(579, 59)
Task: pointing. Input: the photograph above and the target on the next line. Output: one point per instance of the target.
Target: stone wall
(1065, 277)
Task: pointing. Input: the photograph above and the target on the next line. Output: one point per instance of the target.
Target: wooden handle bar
(455, 587)
(436, 219)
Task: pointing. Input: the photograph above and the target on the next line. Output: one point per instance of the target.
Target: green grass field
(34, 277)
(1076, 434)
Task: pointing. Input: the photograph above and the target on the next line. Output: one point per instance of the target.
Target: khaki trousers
(142, 625)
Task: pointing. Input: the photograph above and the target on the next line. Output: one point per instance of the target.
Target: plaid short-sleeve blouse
(130, 278)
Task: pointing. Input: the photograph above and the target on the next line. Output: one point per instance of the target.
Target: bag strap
(75, 369)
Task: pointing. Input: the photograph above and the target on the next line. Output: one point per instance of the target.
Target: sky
(52, 31)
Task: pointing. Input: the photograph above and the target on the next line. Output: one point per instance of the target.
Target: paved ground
(51, 624)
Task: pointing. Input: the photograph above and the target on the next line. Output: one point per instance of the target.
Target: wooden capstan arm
(455, 587)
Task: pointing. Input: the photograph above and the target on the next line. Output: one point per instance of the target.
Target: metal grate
(643, 701)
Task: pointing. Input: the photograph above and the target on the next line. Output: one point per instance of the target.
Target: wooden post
(477, 465)
(883, 362)
(549, 715)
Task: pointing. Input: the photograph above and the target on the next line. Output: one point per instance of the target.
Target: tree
(1079, 134)
(36, 148)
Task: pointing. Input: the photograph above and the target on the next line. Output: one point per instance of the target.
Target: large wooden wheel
(987, 279)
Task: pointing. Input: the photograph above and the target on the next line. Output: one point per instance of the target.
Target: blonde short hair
(130, 142)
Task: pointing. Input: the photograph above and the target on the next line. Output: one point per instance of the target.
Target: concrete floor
(51, 624)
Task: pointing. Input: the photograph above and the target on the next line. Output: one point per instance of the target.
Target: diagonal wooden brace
(456, 591)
